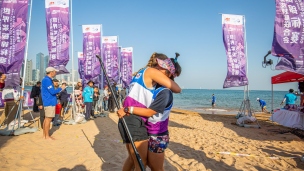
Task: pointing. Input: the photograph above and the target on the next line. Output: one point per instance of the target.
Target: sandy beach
(198, 142)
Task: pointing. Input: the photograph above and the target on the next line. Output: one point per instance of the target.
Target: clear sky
(192, 28)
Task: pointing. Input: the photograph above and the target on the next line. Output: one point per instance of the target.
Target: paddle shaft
(122, 119)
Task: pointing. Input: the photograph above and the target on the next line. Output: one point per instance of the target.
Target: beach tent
(285, 77)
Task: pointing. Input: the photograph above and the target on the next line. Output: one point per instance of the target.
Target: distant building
(28, 71)
(40, 65)
(46, 61)
(35, 75)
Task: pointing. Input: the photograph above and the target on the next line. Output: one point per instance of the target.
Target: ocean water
(230, 100)
(226, 100)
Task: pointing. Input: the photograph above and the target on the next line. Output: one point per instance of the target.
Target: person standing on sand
(262, 104)
(140, 95)
(49, 99)
(213, 100)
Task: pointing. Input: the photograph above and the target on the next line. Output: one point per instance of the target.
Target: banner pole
(72, 43)
(247, 86)
(24, 65)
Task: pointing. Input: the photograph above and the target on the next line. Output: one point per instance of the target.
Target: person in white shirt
(105, 98)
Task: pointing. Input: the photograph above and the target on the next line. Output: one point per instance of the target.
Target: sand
(197, 142)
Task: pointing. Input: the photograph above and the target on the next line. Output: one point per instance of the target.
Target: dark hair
(38, 82)
(63, 83)
(1, 73)
(291, 90)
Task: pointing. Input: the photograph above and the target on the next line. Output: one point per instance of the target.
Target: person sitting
(290, 99)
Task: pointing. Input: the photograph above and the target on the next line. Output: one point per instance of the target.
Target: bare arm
(155, 75)
(146, 112)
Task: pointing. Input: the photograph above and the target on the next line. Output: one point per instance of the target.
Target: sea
(227, 101)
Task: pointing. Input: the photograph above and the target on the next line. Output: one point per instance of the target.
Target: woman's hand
(121, 113)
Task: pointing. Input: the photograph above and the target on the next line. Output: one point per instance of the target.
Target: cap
(168, 65)
(50, 69)
(55, 80)
(258, 99)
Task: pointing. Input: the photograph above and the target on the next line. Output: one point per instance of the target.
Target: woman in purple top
(158, 116)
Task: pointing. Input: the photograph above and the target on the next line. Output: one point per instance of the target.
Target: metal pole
(246, 56)
(25, 61)
(122, 119)
(72, 37)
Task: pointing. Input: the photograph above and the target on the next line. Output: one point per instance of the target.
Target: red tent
(287, 77)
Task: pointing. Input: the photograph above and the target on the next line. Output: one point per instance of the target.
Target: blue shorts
(158, 144)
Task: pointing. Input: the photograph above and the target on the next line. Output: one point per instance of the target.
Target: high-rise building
(76, 76)
(35, 77)
(40, 65)
(46, 61)
(28, 71)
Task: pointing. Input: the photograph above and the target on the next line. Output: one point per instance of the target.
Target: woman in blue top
(290, 99)
(88, 99)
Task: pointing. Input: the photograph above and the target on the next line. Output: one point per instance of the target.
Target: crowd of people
(145, 107)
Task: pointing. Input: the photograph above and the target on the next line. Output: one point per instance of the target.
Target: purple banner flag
(110, 51)
(91, 48)
(233, 37)
(80, 65)
(58, 33)
(13, 27)
(28, 101)
(126, 66)
(288, 39)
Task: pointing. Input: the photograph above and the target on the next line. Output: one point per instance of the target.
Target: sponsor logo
(138, 75)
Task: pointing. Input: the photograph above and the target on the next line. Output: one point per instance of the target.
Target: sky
(191, 28)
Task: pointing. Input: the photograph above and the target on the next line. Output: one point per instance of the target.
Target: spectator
(11, 98)
(35, 95)
(64, 100)
(95, 100)
(123, 94)
(88, 99)
(2, 81)
(41, 110)
(78, 85)
(111, 102)
(262, 104)
(78, 99)
(290, 99)
(49, 99)
(105, 98)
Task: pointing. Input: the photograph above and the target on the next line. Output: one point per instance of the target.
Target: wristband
(131, 109)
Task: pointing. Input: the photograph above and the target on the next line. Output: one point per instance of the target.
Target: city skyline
(32, 75)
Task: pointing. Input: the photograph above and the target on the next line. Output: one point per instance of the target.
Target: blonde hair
(152, 61)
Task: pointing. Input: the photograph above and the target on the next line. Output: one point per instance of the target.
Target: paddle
(122, 119)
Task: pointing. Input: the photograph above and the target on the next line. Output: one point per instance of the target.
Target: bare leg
(156, 161)
(128, 164)
(46, 128)
(142, 148)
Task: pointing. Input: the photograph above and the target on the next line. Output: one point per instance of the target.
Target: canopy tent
(285, 77)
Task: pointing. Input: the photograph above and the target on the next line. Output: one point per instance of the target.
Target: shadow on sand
(114, 157)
